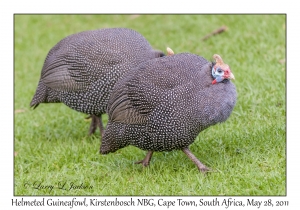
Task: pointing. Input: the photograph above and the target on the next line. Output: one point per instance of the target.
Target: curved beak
(228, 74)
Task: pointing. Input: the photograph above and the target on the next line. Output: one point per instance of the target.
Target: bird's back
(82, 68)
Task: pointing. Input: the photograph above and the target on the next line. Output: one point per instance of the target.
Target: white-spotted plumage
(164, 104)
(82, 68)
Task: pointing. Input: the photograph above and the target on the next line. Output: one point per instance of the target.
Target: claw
(201, 167)
(146, 161)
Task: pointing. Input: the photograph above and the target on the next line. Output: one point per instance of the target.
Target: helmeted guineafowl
(82, 69)
(164, 103)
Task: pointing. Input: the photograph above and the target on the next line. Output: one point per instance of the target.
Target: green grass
(247, 152)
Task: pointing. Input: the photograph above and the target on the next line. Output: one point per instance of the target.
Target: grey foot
(202, 168)
(146, 161)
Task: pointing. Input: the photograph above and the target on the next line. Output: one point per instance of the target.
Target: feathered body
(82, 69)
(165, 103)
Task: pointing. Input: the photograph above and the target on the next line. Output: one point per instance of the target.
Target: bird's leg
(100, 125)
(96, 122)
(146, 161)
(193, 158)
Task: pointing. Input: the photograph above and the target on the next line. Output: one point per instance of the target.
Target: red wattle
(214, 81)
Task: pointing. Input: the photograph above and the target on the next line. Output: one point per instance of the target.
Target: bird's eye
(219, 70)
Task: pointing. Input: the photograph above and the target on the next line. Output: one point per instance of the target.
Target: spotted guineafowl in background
(82, 69)
(164, 103)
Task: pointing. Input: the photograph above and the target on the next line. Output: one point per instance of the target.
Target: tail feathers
(45, 94)
(40, 96)
(33, 104)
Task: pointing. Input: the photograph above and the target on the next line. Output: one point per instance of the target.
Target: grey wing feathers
(64, 73)
(128, 107)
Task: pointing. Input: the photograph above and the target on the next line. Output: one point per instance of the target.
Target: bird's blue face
(217, 72)
(220, 73)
